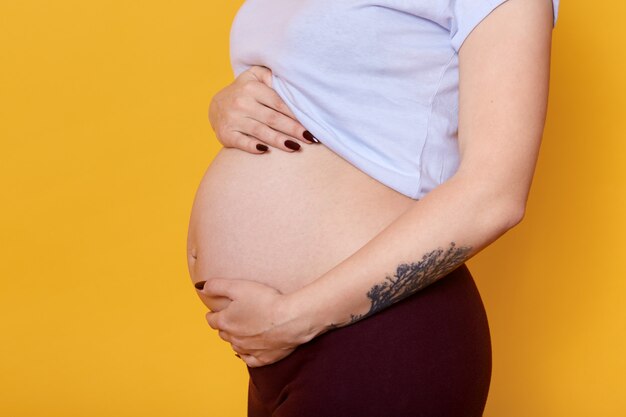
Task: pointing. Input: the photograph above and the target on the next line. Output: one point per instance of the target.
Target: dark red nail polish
(292, 145)
(261, 147)
(199, 285)
(308, 136)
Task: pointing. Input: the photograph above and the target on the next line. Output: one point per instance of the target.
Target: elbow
(516, 215)
(497, 206)
(499, 210)
(510, 215)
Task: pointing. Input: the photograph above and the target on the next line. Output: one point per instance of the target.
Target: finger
(219, 287)
(270, 110)
(245, 142)
(214, 320)
(241, 351)
(248, 344)
(270, 99)
(225, 336)
(282, 123)
(261, 131)
(251, 361)
(262, 358)
(214, 304)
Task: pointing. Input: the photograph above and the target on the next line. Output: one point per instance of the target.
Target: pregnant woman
(371, 147)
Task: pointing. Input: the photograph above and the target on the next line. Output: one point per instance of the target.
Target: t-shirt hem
(405, 184)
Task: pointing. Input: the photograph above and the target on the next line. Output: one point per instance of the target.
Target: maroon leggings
(427, 355)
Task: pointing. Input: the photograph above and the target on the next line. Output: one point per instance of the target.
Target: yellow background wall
(103, 140)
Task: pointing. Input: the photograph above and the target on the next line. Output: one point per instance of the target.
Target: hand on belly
(276, 221)
(271, 224)
(215, 303)
(255, 319)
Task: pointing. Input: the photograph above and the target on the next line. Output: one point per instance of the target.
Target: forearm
(436, 235)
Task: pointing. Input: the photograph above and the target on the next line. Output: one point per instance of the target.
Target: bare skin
(310, 237)
(283, 218)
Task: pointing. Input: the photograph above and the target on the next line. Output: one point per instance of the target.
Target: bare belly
(282, 218)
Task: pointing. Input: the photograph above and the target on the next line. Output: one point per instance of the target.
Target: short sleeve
(467, 14)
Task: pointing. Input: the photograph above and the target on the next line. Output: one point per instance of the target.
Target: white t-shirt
(376, 81)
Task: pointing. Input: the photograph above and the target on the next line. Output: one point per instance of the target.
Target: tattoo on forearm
(410, 278)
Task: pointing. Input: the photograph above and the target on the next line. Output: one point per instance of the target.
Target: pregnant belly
(282, 218)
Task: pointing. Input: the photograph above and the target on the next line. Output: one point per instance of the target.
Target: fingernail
(261, 147)
(237, 355)
(292, 145)
(308, 136)
(199, 285)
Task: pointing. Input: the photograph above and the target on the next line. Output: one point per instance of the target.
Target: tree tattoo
(410, 278)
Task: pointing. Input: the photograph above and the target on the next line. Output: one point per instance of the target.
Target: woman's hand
(214, 303)
(258, 321)
(249, 115)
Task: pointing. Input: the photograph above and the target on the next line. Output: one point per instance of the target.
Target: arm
(504, 74)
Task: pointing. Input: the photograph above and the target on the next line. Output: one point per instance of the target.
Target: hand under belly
(284, 219)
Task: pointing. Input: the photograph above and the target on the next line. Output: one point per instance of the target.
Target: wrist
(304, 315)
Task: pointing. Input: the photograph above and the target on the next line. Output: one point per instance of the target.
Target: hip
(427, 355)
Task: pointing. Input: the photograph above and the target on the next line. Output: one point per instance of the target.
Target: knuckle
(297, 132)
(272, 119)
(219, 323)
(248, 87)
(258, 130)
(270, 136)
(239, 102)
(279, 140)
(280, 105)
